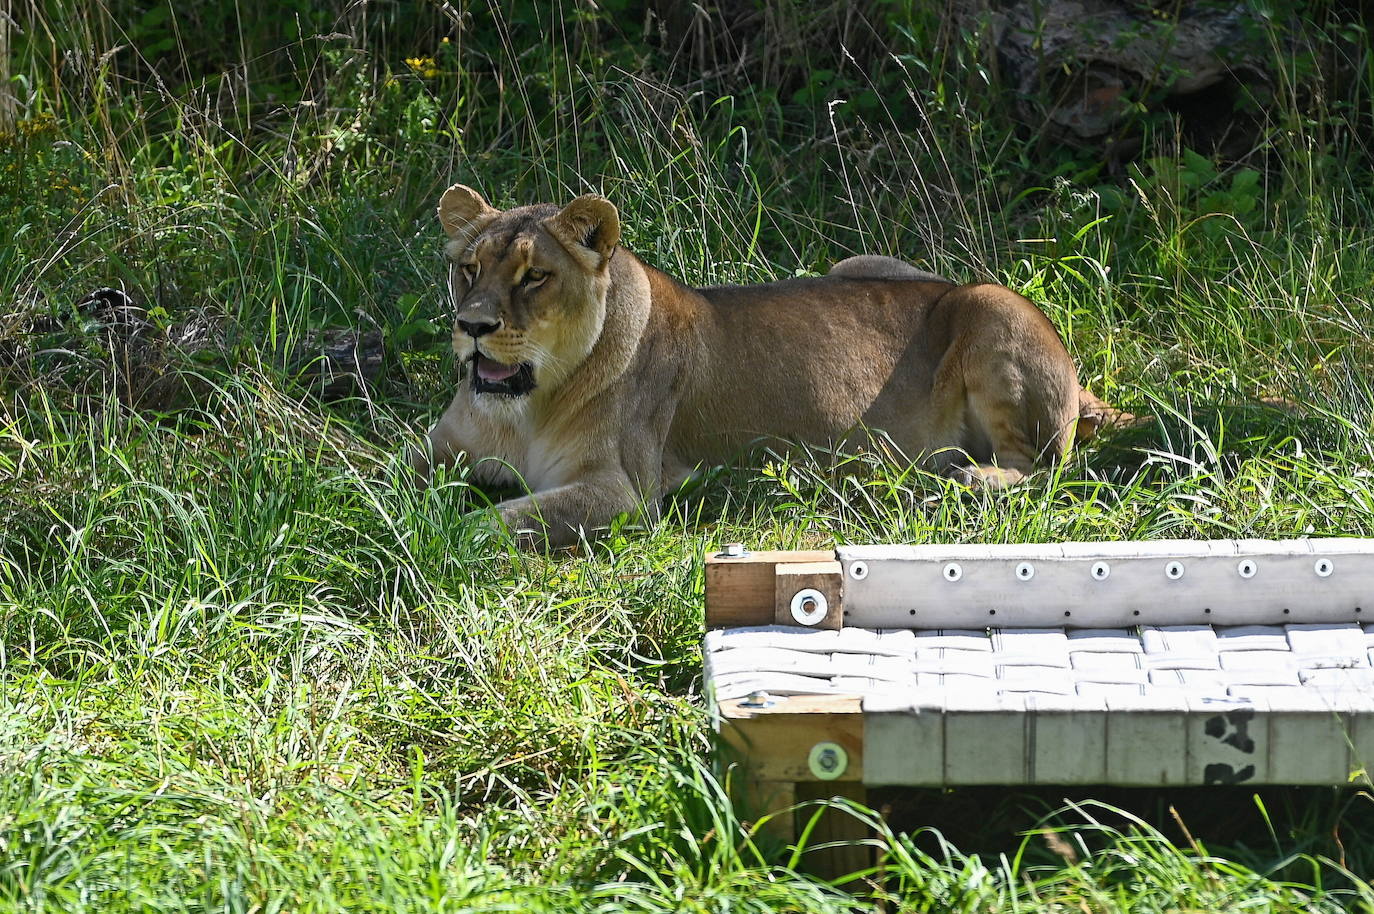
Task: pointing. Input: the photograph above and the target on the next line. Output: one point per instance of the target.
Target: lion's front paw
(518, 524)
(985, 476)
(496, 524)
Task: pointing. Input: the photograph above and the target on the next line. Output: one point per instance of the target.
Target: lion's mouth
(492, 377)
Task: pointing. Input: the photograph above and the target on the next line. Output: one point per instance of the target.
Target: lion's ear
(461, 209)
(589, 227)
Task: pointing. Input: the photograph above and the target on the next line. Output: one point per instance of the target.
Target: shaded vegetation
(244, 665)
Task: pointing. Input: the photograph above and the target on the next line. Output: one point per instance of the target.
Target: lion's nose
(476, 326)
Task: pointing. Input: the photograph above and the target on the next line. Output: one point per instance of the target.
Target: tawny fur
(641, 380)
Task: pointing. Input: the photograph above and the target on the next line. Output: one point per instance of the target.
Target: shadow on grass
(1213, 435)
(1260, 827)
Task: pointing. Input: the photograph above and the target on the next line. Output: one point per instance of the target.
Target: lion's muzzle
(492, 377)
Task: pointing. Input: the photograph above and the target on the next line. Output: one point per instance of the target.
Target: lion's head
(529, 288)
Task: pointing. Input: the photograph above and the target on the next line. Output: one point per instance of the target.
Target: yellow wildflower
(37, 126)
(422, 66)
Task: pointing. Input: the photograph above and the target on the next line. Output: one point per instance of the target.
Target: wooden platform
(1134, 664)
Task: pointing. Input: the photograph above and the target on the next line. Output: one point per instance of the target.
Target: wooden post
(835, 826)
(805, 748)
(763, 797)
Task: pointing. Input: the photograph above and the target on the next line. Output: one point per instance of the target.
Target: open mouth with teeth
(492, 377)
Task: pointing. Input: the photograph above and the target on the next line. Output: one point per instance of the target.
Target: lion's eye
(533, 276)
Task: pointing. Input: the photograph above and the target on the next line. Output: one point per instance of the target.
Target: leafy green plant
(1221, 203)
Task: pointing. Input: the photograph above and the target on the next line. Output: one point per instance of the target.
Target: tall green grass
(245, 666)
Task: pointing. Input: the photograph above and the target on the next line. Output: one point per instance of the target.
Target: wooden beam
(741, 591)
(791, 579)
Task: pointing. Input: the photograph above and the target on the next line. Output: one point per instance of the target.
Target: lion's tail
(1095, 414)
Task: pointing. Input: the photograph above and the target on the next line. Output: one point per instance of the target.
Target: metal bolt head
(809, 607)
(759, 699)
(828, 761)
(734, 551)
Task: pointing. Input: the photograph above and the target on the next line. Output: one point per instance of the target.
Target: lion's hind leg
(1024, 417)
(997, 450)
(1012, 385)
(1010, 460)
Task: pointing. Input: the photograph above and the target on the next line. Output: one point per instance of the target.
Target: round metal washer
(858, 570)
(1173, 571)
(1025, 571)
(1247, 568)
(1101, 571)
(953, 572)
(1324, 567)
(809, 606)
(828, 761)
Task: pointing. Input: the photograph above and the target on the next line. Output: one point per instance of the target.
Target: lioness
(600, 383)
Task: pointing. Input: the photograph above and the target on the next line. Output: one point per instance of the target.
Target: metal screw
(858, 571)
(1323, 568)
(1101, 570)
(953, 572)
(1025, 571)
(1173, 571)
(758, 699)
(1247, 568)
